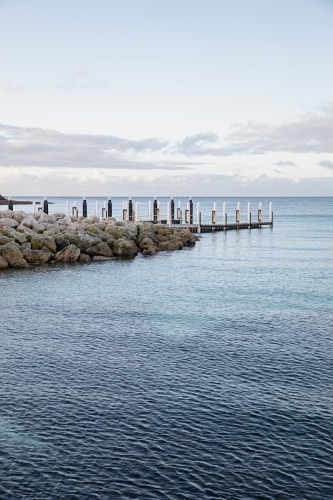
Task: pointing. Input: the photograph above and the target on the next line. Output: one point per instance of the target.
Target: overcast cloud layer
(36, 147)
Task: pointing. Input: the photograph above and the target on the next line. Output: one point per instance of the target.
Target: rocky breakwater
(40, 238)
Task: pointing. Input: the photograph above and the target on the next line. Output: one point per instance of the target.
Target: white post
(238, 213)
(260, 212)
(249, 212)
(169, 213)
(67, 208)
(33, 207)
(224, 213)
(214, 214)
(137, 216)
(126, 208)
(96, 210)
(198, 215)
(270, 212)
(158, 212)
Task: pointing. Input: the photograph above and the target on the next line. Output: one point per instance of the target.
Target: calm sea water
(200, 374)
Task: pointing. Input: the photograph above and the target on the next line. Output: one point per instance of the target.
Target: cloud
(36, 147)
(96, 183)
(10, 87)
(326, 164)
(310, 133)
(81, 79)
(195, 144)
(282, 163)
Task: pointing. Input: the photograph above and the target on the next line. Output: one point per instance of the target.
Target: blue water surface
(205, 373)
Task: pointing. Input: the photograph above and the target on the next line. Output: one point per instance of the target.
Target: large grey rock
(40, 240)
(12, 255)
(4, 239)
(33, 224)
(28, 233)
(81, 240)
(102, 249)
(36, 256)
(69, 254)
(8, 222)
(47, 219)
(174, 244)
(6, 213)
(129, 232)
(100, 225)
(52, 229)
(3, 263)
(67, 220)
(19, 216)
(148, 247)
(92, 220)
(125, 248)
(26, 246)
(12, 233)
(110, 241)
(61, 242)
(147, 231)
(84, 258)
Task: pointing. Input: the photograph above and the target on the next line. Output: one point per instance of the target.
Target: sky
(166, 97)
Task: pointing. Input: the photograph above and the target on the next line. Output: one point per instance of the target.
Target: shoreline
(35, 239)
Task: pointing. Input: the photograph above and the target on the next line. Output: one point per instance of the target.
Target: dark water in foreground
(199, 374)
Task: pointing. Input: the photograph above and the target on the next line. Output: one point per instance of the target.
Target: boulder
(52, 229)
(175, 244)
(163, 230)
(26, 246)
(148, 247)
(92, 220)
(12, 233)
(146, 231)
(61, 242)
(125, 248)
(100, 258)
(40, 240)
(110, 241)
(82, 240)
(36, 256)
(8, 222)
(19, 216)
(3, 263)
(84, 258)
(124, 232)
(28, 233)
(4, 239)
(95, 232)
(67, 220)
(102, 249)
(47, 219)
(12, 255)
(6, 213)
(68, 254)
(100, 225)
(32, 223)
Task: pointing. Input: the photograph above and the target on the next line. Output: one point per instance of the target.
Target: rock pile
(40, 238)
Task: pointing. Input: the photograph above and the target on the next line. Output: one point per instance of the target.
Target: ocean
(205, 373)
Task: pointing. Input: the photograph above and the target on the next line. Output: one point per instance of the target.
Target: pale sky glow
(165, 97)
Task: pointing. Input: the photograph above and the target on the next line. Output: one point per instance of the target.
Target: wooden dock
(209, 228)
